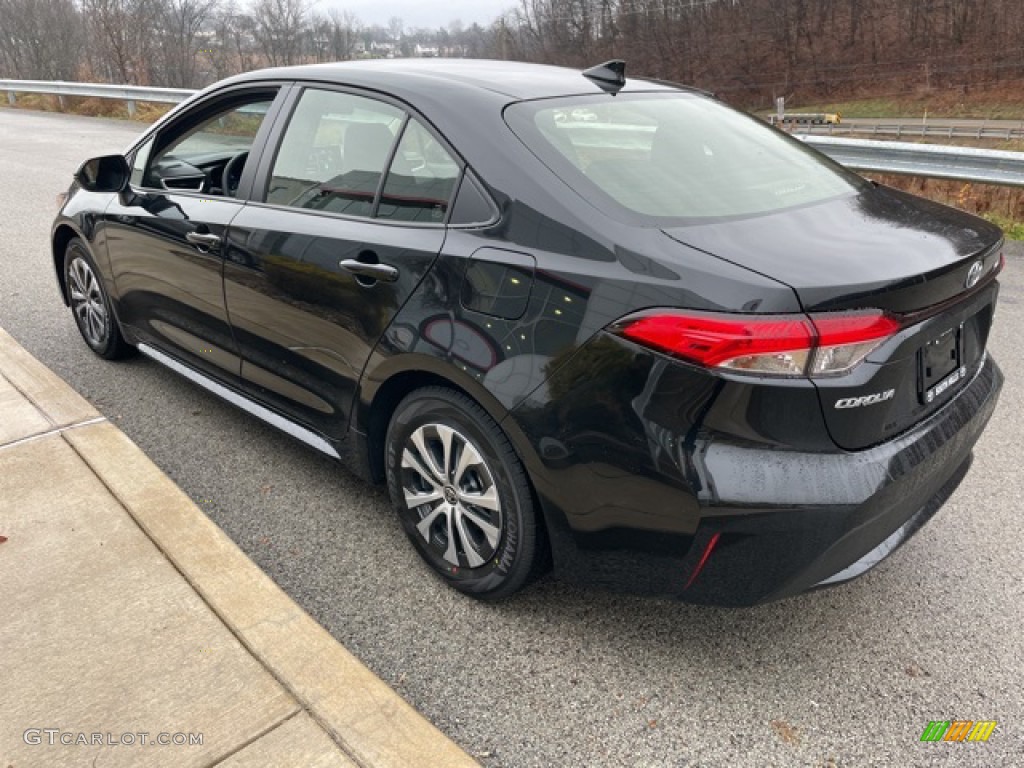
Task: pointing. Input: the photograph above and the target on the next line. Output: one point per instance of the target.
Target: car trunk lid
(930, 266)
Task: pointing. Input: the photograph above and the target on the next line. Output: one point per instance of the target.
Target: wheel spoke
(96, 324)
(90, 322)
(424, 525)
(409, 461)
(420, 442)
(446, 435)
(419, 498)
(491, 532)
(487, 499)
(75, 273)
(473, 558)
(451, 554)
(467, 458)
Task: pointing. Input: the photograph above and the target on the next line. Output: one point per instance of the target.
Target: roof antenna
(610, 77)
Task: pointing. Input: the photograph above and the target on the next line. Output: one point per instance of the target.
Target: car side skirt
(239, 400)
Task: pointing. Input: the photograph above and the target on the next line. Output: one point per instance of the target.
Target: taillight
(778, 345)
(843, 341)
(824, 344)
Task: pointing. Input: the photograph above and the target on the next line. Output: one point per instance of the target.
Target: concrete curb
(371, 723)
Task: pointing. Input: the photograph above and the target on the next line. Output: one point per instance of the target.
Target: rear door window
(334, 153)
(421, 180)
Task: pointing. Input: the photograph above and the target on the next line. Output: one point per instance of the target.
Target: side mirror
(104, 174)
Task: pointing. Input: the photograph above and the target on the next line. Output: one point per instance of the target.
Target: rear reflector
(823, 344)
(703, 560)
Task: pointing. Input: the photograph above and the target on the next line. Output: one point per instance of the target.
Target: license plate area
(941, 365)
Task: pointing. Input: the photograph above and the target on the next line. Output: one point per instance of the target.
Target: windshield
(674, 156)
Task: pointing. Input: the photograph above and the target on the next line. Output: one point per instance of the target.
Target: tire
(90, 305)
(486, 543)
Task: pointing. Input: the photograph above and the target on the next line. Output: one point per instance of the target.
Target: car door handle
(203, 240)
(383, 272)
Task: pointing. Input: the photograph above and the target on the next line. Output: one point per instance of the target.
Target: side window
(205, 154)
(421, 180)
(333, 153)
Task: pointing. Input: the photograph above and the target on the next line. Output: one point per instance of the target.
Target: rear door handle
(383, 272)
(203, 240)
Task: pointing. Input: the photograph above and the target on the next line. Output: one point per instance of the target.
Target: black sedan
(570, 319)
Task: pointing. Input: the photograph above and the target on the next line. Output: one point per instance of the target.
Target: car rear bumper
(768, 522)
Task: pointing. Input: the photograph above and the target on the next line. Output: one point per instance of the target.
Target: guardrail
(986, 166)
(129, 94)
(923, 130)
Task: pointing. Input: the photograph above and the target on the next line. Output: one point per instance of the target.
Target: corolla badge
(857, 402)
(974, 274)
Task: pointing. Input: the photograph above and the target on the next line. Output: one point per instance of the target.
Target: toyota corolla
(571, 319)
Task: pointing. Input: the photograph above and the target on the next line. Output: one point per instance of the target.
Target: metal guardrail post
(11, 98)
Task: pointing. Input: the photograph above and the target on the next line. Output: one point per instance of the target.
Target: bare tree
(749, 51)
(345, 32)
(122, 33)
(232, 47)
(40, 39)
(279, 28)
(395, 29)
(181, 24)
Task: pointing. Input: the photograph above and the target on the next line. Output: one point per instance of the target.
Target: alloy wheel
(87, 302)
(448, 485)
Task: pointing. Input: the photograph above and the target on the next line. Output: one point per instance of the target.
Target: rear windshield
(674, 157)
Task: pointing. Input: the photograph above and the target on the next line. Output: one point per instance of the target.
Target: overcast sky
(421, 13)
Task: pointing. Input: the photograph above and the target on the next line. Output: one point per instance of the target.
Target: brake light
(824, 344)
(778, 344)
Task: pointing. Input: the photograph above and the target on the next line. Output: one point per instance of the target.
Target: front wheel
(461, 493)
(90, 304)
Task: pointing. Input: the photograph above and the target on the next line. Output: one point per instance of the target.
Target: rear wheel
(461, 493)
(90, 304)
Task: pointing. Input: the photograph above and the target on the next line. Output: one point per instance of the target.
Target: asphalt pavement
(563, 676)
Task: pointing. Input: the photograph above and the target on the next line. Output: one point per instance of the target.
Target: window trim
(261, 182)
(375, 208)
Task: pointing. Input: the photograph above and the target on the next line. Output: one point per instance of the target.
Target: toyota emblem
(974, 274)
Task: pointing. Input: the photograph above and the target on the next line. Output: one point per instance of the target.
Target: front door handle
(383, 272)
(203, 240)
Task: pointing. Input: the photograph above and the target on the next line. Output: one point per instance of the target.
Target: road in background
(563, 676)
